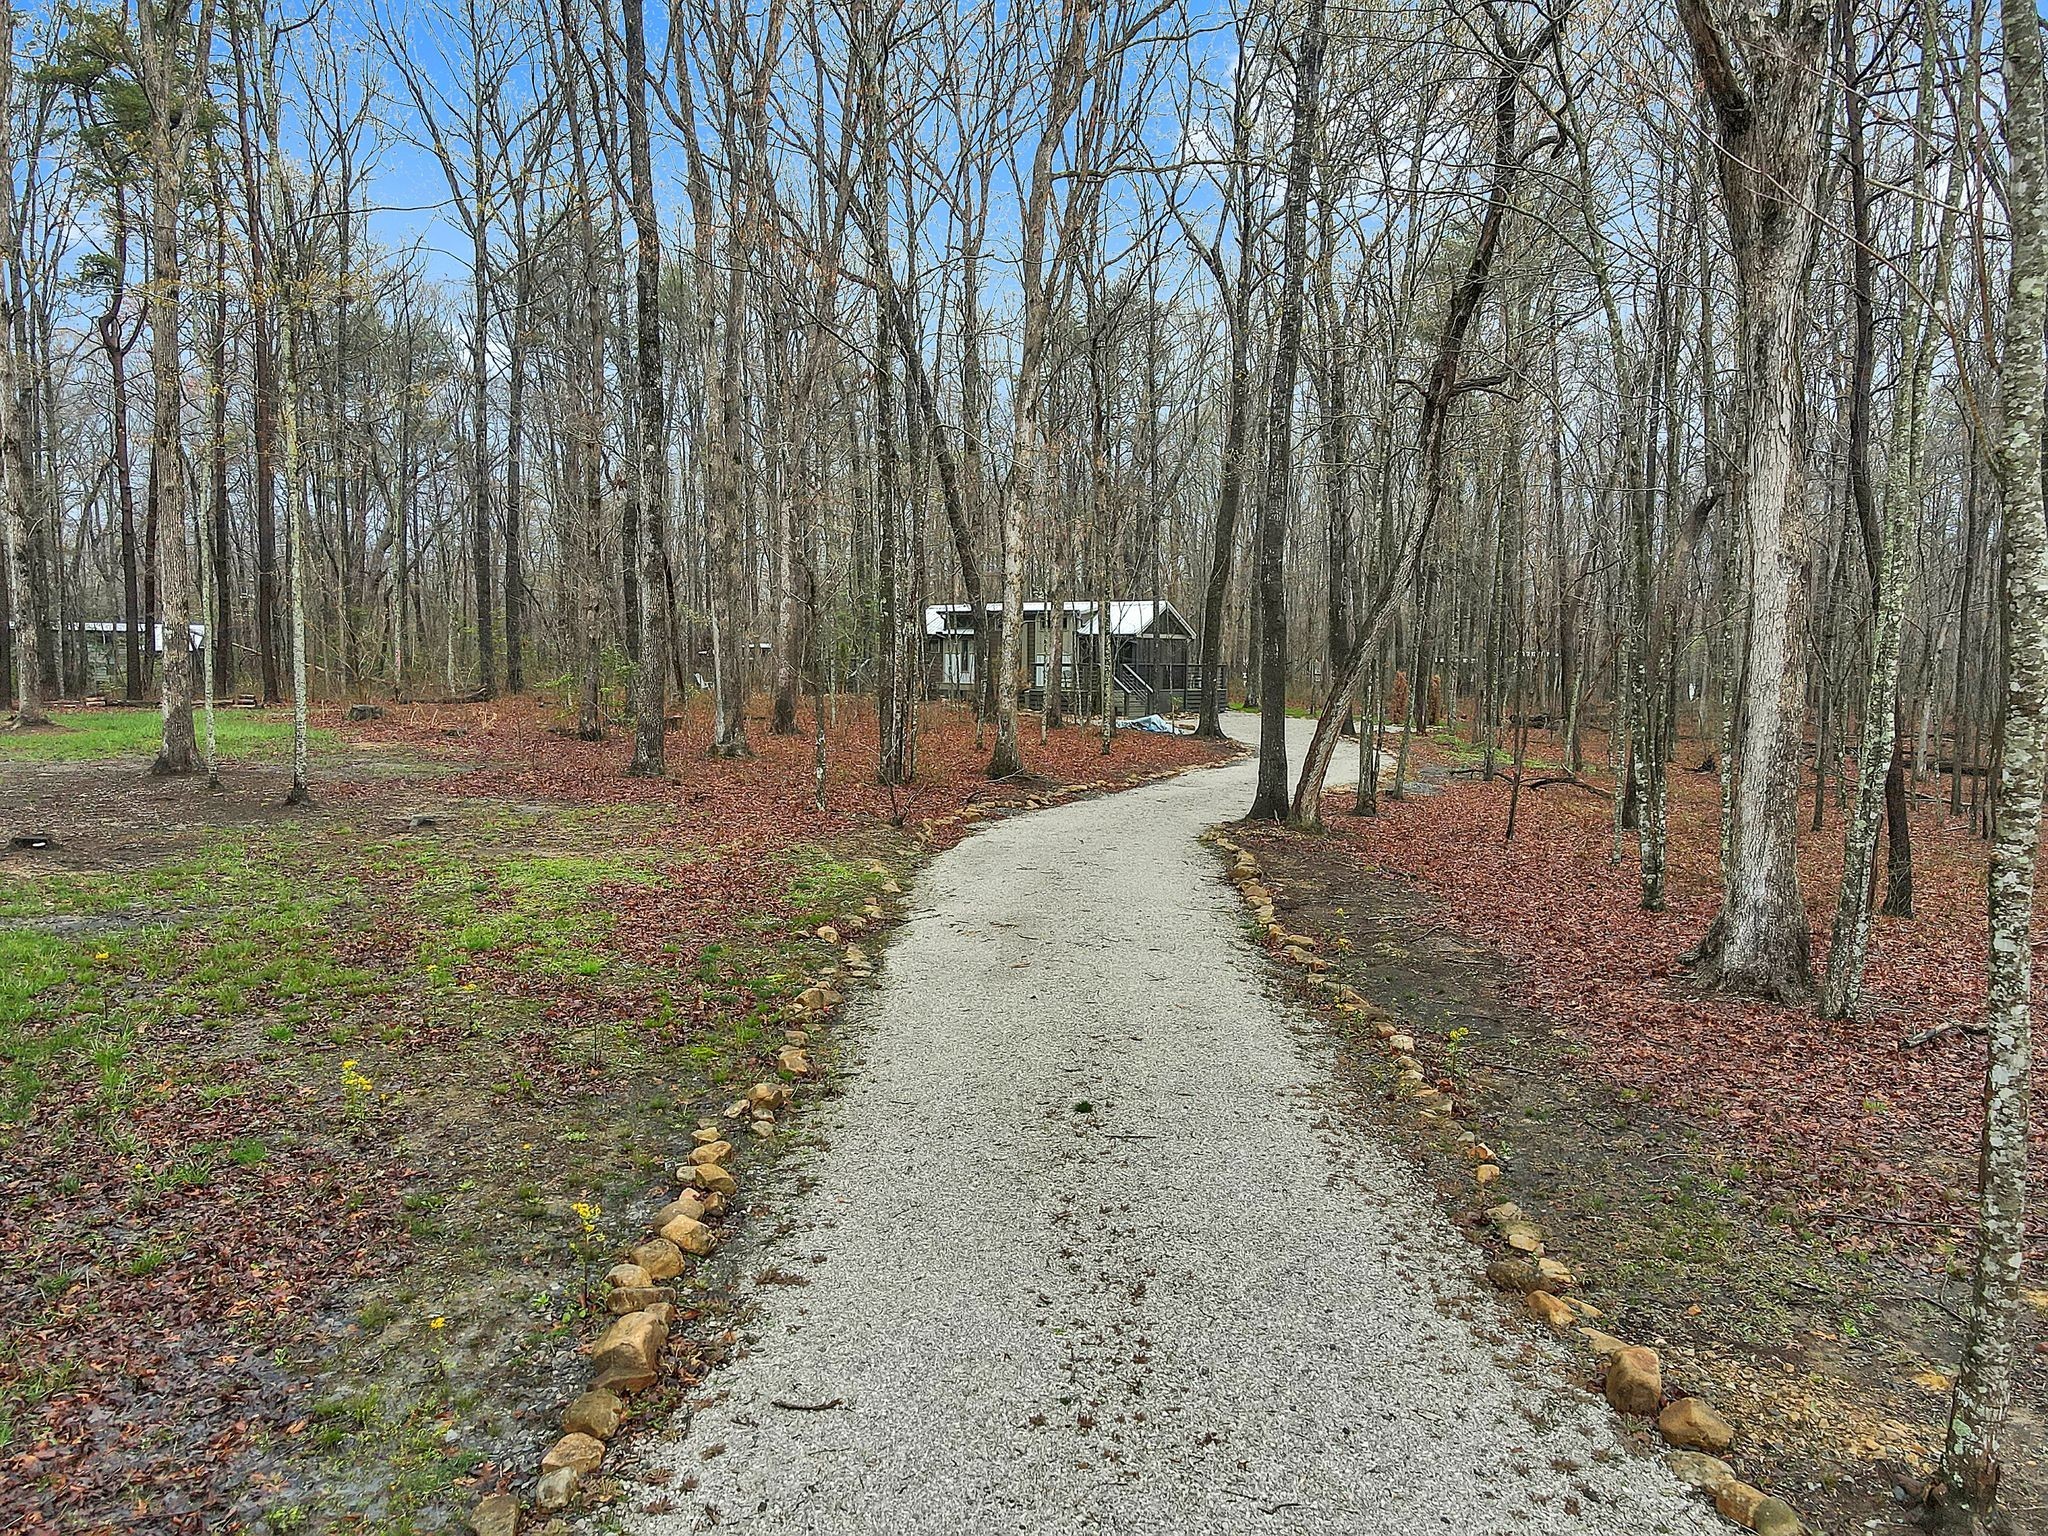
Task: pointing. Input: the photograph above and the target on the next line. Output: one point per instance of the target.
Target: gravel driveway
(1082, 1254)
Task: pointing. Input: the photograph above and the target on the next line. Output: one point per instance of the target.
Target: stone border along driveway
(1081, 1253)
(1632, 1376)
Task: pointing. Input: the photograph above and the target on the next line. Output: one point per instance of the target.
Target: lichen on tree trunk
(1766, 110)
(1972, 1458)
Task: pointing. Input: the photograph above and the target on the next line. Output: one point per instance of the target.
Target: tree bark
(263, 370)
(275, 193)
(515, 459)
(1973, 1457)
(1880, 782)
(1767, 121)
(220, 644)
(172, 120)
(16, 492)
(1021, 488)
(20, 498)
(1236, 413)
(1270, 802)
(650, 693)
(484, 605)
(116, 348)
(892, 684)
(588, 354)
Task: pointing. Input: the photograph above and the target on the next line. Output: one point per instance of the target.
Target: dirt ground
(1831, 1355)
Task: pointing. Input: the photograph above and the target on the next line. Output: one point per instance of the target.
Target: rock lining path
(1192, 1306)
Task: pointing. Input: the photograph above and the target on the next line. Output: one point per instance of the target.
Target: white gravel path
(1194, 1307)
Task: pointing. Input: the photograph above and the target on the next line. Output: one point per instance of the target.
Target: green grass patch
(544, 913)
(91, 735)
(89, 962)
(390, 1466)
(823, 886)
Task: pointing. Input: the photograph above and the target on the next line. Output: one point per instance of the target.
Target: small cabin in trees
(1149, 649)
(103, 646)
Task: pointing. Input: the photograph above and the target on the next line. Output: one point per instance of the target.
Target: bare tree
(1445, 385)
(18, 498)
(1761, 74)
(1973, 1456)
(1270, 801)
(650, 692)
(277, 212)
(1886, 534)
(456, 96)
(1073, 22)
(172, 53)
(1234, 285)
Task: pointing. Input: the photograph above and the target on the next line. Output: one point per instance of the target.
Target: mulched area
(1859, 1128)
(518, 748)
(1833, 1360)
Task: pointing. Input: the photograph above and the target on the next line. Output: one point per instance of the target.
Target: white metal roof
(118, 627)
(1126, 616)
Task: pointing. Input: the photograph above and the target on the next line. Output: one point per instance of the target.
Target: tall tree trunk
(1270, 802)
(788, 635)
(892, 715)
(632, 619)
(1237, 403)
(1959, 693)
(1646, 750)
(651, 445)
(171, 125)
(116, 347)
(220, 644)
(484, 604)
(588, 538)
(301, 792)
(402, 508)
(1023, 484)
(275, 201)
(209, 577)
(7, 690)
(515, 465)
(1973, 1457)
(1333, 397)
(727, 449)
(1880, 784)
(968, 506)
(1767, 117)
(263, 407)
(18, 495)
(892, 691)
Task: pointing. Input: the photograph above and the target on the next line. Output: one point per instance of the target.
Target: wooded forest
(1661, 383)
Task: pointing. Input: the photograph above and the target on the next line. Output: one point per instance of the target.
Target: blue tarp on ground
(1158, 724)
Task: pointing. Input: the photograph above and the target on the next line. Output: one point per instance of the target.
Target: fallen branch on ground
(1927, 1036)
